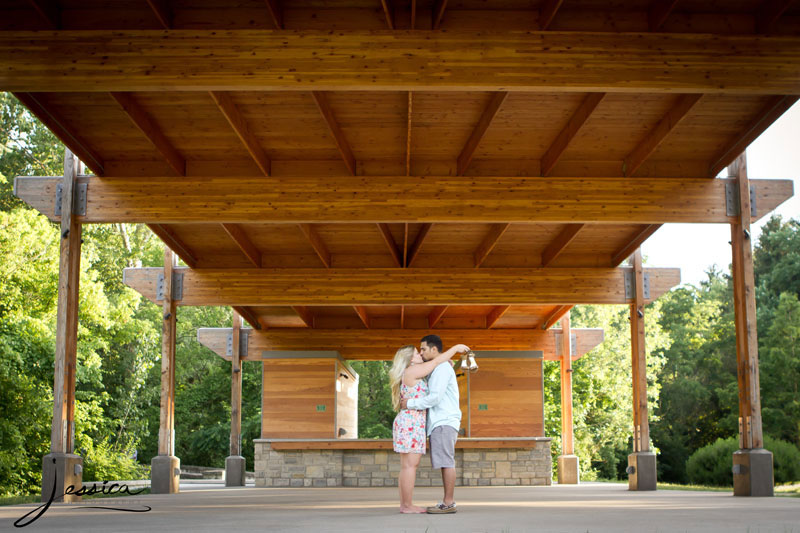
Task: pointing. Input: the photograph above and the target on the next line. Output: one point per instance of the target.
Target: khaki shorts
(443, 447)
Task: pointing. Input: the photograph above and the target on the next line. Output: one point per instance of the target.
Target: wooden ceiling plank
(163, 13)
(338, 136)
(769, 12)
(48, 11)
(654, 138)
(276, 12)
(305, 314)
(408, 134)
(361, 311)
(171, 239)
(438, 13)
(558, 245)
(239, 125)
(489, 242)
(66, 134)
(491, 110)
(402, 316)
(237, 233)
(658, 12)
(405, 244)
(570, 130)
(548, 12)
(436, 315)
(495, 314)
(625, 252)
(389, 12)
(413, 14)
(776, 107)
(386, 233)
(317, 243)
(555, 316)
(248, 315)
(417, 246)
(143, 121)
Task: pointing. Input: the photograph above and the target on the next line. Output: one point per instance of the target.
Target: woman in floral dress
(408, 431)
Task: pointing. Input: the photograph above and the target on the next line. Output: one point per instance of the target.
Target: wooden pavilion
(374, 170)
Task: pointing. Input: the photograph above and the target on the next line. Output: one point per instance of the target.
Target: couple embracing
(426, 408)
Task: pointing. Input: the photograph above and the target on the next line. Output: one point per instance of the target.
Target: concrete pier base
(234, 471)
(59, 471)
(165, 474)
(568, 470)
(642, 471)
(753, 473)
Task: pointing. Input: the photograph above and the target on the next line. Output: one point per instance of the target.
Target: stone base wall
(380, 468)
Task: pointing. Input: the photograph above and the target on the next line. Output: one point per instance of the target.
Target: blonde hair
(402, 359)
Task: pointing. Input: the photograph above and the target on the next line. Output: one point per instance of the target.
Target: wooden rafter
(237, 233)
(361, 311)
(68, 135)
(402, 316)
(417, 246)
(495, 314)
(438, 13)
(276, 12)
(413, 14)
(570, 130)
(558, 245)
(239, 125)
(305, 315)
(388, 11)
(548, 12)
(555, 316)
(489, 242)
(405, 244)
(408, 134)
(143, 121)
(654, 138)
(163, 13)
(436, 315)
(338, 136)
(248, 315)
(495, 102)
(658, 12)
(635, 243)
(776, 107)
(386, 233)
(317, 243)
(48, 11)
(171, 239)
(769, 12)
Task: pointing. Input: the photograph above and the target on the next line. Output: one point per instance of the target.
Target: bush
(102, 463)
(712, 464)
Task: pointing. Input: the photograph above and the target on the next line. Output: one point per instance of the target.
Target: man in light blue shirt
(444, 419)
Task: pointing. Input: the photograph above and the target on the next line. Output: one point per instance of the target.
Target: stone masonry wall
(380, 468)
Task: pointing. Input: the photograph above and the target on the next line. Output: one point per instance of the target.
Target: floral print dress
(408, 431)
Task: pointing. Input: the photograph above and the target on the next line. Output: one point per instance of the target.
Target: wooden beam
(417, 246)
(405, 244)
(489, 242)
(248, 314)
(387, 10)
(548, 12)
(641, 422)
(381, 344)
(658, 12)
(48, 11)
(386, 233)
(402, 316)
(66, 134)
(775, 107)
(317, 243)
(654, 138)
(305, 315)
(489, 112)
(162, 11)
(239, 125)
(438, 13)
(567, 436)
(166, 428)
(558, 245)
(495, 314)
(237, 233)
(555, 316)
(338, 136)
(171, 239)
(769, 12)
(625, 252)
(143, 121)
(260, 60)
(361, 311)
(276, 12)
(236, 387)
(413, 14)
(243, 200)
(408, 134)
(570, 130)
(436, 315)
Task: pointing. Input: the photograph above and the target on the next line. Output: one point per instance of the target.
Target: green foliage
(375, 413)
(102, 462)
(712, 464)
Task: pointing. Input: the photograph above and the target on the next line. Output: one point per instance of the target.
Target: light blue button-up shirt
(442, 399)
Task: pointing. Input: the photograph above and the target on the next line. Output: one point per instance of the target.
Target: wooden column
(166, 429)
(753, 469)
(568, 466)
(236, 388)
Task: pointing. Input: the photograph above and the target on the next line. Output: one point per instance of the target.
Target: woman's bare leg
(408, 474)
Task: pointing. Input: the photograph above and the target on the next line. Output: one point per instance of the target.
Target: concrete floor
(589, 507)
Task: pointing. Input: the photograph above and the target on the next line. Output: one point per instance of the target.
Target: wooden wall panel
(291, 392)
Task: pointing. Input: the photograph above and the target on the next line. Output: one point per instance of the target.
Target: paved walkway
(584, 508)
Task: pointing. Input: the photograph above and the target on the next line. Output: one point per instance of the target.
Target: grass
(678, 486)
(36, 498)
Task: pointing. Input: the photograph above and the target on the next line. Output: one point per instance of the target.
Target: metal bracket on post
(732, 199)
(630, 285)
(244, 338)
(573, 344)
(177, 286)
(78, 200)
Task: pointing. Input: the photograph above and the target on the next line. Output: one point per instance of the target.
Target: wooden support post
(641, 463)
(752, 465)
(235, 463)
(61, 467)
(568, 471)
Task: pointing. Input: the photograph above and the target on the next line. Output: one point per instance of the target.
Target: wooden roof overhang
(348, 165)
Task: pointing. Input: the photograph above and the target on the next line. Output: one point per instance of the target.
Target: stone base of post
(752, 473)
(568, 470)
(642, 471)
(234, 471)
(165, 474)
(59, 471)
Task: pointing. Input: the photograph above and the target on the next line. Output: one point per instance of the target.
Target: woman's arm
(415, 372)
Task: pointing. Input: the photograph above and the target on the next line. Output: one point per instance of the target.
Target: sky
(695, 247)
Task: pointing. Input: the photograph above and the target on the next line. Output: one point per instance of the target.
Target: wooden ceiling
(690, 84)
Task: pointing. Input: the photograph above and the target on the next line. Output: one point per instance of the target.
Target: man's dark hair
(433, 340)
